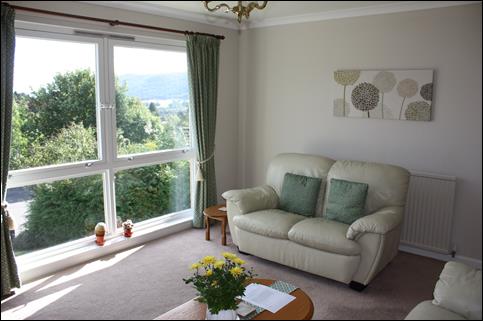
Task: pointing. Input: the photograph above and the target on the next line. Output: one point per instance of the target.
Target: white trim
(231, 23)
(44, 262)
(39, 175)
(357, 12)
(205, 18)
(441, 257)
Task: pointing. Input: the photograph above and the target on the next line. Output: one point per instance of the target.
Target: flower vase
(222, 315)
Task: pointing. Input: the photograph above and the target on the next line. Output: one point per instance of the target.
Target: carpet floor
(144, 282)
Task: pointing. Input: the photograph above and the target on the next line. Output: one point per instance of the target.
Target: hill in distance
(156, 86)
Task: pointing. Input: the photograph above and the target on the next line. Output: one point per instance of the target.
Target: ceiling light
(240, 10)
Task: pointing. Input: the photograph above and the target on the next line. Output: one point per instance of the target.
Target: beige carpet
(144, 282)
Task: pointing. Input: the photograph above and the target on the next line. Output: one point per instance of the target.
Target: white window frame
(108, 162)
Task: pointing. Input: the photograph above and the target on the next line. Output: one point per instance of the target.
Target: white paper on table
(266, 297)
(222, 209)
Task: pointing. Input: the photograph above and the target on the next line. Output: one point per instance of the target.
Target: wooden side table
(216, 214)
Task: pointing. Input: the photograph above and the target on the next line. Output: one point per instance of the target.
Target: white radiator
(428, 220)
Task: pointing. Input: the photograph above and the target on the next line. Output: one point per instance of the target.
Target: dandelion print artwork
(385, 82)
(418, 110)
(346, 78)
(427, 91)
(365, 97)
(407, 88)
(383, 94)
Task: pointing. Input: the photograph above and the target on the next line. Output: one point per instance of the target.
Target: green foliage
(162, 189)
(57, 125)
(62, 211)
(20, 143)
(70, 98)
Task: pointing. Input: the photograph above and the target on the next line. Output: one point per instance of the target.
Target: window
(54, 103)
(155, 116)
(100, 132)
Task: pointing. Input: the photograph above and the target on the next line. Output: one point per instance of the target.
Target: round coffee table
(301, 308)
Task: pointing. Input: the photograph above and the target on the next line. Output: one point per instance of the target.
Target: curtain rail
(112, 22)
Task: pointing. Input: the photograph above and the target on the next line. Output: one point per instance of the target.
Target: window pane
(49, 214)
(147, 192)
(54, 108)
(151, 100)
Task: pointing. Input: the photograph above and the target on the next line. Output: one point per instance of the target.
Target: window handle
(130, 158)
(89, 164)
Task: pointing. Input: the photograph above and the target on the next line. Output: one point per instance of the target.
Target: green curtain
(9, 275)
(203, 56)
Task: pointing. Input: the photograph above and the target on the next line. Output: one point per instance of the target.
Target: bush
(62, 211)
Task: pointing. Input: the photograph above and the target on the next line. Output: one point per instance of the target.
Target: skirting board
(442, 257)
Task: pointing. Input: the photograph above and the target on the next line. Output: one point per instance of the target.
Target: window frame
(108, 162)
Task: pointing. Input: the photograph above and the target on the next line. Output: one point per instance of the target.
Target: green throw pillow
(299, 194)
(346, 201)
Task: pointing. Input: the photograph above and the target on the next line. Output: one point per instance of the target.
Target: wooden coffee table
(214, 213)
(301, 308)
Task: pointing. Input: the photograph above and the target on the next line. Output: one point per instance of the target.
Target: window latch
(106, 106)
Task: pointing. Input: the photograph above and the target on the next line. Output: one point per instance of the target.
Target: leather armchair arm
(253, 199)
(379, 222)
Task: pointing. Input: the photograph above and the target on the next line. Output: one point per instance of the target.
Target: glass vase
(222, 315)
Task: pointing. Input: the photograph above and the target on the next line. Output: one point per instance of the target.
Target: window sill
(41, 263)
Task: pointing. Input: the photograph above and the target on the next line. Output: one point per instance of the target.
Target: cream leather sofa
(457, 296)
(352, 254)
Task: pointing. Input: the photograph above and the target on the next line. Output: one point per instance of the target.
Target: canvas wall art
(384, 94)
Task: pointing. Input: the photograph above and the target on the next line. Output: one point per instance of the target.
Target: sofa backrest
(300, 164)
(388, 184)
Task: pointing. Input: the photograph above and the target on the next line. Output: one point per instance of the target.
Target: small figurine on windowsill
(127, 226)
(100, 231)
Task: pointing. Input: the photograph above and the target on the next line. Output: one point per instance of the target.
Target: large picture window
(100, 132)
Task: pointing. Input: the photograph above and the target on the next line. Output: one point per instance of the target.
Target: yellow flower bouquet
(220, 282)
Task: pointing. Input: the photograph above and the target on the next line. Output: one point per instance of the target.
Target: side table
(216, 214)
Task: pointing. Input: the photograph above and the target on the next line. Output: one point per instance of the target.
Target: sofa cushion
(388, 184)
(428, 311)
(325, 235)
(346, 201)
(272, 223)
(459, 290)
(299, 194)
(300, 164)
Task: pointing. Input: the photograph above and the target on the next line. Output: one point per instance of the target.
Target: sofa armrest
(379, 222)
(253, 199)
(459, 290)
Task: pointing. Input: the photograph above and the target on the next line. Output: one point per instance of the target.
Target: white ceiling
(276, 12)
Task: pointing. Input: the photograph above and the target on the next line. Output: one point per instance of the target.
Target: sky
(38, 60)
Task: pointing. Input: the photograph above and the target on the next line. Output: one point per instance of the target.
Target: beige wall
(286, 100)
(227, 126)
